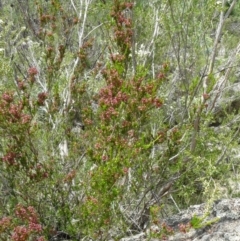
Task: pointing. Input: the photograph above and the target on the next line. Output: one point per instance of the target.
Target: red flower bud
(32, 71)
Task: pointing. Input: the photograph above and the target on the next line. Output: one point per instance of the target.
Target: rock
(137, 237)
(224, 222)
(220, 223)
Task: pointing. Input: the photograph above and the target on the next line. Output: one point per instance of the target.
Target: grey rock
(139, 237)
(225, 217)
(221, 224)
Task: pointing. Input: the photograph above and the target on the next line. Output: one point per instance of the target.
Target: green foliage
(98, 110)
(198, 222)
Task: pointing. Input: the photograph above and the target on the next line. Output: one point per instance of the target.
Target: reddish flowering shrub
(184, 228)
(32, 71)
(31, 228)
(206, 96)
(21, 85)
(22, 157)
(26, 214)
(8, 97)
(70, 176)
(10, 158)
(45, 18)
(161, 76)
(15, 111)
(123, 156)
(109, 113)
(157, 102)
(41, 98)
(5, 224)
(123, 29)
(167, 229)
(20, 233)
(35, 227)
(117, 58)
(16, 114)
(25, 119)
(125, 105)
(38, 172)
(24, 226)
(23, 233)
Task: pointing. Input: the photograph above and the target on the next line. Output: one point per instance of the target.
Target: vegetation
(114, 113)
